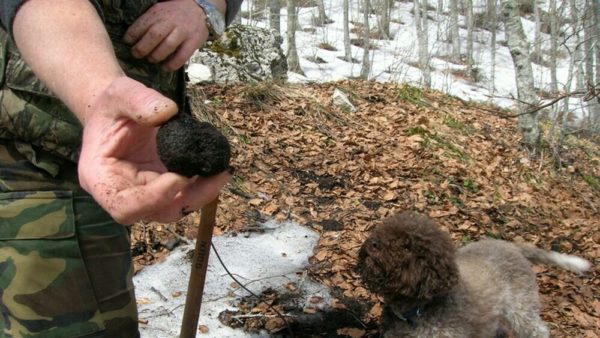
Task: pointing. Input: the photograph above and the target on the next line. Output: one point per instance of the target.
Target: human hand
(169, 31)
(119, 165)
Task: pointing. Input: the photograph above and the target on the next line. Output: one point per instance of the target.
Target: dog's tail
(569, 262)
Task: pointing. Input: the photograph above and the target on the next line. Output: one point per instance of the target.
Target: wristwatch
(214, 19)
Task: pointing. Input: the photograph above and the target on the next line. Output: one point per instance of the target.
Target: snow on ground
(394, 59)
(259, 260)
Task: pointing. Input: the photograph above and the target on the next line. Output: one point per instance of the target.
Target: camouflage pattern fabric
(31, 113)
(65, 265)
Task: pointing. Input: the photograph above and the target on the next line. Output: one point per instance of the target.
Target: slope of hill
(300, 158)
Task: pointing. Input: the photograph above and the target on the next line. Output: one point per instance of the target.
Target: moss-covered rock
(243, 54)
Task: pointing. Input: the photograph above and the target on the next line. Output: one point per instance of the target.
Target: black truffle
(189, 147)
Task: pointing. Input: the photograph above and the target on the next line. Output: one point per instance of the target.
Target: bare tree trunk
(425, 50)
(490, 10)
(589, 38)
(596, 8)
(347, 48)
(494, 23)
(322, 18)
(454, 29)
(537, 45)
(578, 51)
(366, 62)
(292, 52)
(423, 40)
(563, 115)
(438, 16)
(595, 36)
(553, 45)
(470, 24)
(384, 23)
(274, 15)
(250, 11)
(519, 50)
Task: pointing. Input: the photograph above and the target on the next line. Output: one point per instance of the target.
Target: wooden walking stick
(207, 153)
(193, 301)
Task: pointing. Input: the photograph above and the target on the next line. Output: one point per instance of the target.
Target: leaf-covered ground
(300, 158)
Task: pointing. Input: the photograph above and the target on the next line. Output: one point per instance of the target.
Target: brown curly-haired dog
(430, 289)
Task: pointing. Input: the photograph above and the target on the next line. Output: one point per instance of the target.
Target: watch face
(216, 22)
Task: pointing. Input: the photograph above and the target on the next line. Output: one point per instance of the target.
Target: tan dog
(430, 289)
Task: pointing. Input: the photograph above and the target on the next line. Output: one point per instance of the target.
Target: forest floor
(300, 158)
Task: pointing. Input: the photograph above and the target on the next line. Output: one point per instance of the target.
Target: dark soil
(189, 147)
(300, 320)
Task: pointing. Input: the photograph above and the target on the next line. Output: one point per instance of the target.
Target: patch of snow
(198, 73)
(260, 261)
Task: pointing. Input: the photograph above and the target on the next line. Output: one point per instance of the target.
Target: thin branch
(587, 96)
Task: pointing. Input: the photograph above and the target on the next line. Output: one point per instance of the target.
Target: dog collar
(409, 316)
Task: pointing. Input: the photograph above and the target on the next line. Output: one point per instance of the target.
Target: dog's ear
(410, 257)
(428, 269)
(432, 268)
(439, 274)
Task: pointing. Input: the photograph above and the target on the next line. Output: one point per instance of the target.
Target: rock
(341, 100)
(242, 54)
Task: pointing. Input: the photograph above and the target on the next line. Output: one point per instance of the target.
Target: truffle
(189, 147)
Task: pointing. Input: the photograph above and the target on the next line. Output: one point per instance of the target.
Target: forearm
(66, 45)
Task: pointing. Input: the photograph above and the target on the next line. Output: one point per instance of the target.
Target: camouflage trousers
(65, 265)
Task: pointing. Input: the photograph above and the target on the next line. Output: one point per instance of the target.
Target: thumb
(144, 105)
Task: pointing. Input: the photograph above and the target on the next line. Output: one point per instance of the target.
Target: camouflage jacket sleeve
(8, 9)
(233, 7)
